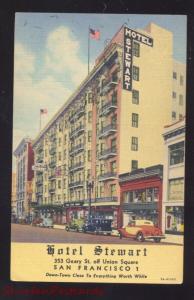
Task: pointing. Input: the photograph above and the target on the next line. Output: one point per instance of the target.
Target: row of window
(174, 96)
(181, 78)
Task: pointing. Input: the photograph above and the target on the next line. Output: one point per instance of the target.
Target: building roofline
(24, 141)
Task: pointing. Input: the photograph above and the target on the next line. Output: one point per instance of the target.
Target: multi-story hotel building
(173, 179)
(178, 91)
(112, 124)
(24, 174)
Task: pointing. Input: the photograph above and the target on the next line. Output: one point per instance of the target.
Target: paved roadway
(32, 234)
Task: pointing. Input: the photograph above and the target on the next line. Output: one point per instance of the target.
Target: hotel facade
(112, 124)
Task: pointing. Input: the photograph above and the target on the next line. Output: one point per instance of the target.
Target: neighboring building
(106, 129)
(24, 174)
(173, 183)
(13, 197)
(141, 195)
(178, 91)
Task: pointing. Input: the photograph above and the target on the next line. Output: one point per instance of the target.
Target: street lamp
(90, 186)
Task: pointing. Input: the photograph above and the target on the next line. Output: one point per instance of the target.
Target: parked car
(141, 230)
(47, 222)
(98, 226)
(75, 225)
(37, 222)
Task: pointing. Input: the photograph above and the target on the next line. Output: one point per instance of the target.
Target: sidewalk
(175, 239)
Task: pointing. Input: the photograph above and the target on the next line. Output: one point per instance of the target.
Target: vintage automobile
(47, 222)
(141, 230)
(37, 221)
(98, 226)
(75, 225)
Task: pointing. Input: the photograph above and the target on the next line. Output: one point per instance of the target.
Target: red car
(141, 230)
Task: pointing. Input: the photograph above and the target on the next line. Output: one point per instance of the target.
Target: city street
(32, 234)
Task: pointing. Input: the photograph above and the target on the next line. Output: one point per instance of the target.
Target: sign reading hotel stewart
(94, 198)
(130, 36)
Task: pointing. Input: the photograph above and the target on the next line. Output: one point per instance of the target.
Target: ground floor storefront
(68, 213)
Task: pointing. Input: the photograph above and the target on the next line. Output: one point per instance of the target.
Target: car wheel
(140, 237)
(120, 235)
(157, 240)
(67, 228)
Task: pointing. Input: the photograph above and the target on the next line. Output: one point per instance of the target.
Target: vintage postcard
(98, 148)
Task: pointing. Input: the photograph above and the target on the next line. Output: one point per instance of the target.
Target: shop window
(176, 189)
(135, 120)
(176, 153)
(135, 97)
(174, 220)
(136, 73)
(134, 143)
(136, 49)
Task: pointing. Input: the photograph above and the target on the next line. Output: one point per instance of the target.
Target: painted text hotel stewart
(113, 124)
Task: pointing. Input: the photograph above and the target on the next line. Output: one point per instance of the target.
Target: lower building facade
(173, 189)
(141, 195)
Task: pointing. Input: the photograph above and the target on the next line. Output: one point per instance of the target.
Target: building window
(134, 143)
(135, 97)
(136, 73)
(45, 188)
(59, 141)
(135, 120)
(64, 182)
(89, 155)
(113, 144)
(180, 99)
(174, 75)
(46, 153)
(89, 136)
(180, 117)
(113, 190)
(90, 116)
(59, 156)
(136, 49)
(89, 174)
(176, 189)
(59, 197)
(113, 167)
(65, 139)
(181, 79)
(90, 97)
(101, 191)
(176, 153)
(173, 95)
(174, 115)
(134, 165)
(59, 184)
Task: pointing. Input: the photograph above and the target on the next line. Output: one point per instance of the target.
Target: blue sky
(50, 46)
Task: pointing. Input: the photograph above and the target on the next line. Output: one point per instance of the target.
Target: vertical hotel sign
(130, 36)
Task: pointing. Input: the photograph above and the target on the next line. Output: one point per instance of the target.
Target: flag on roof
(94, 34)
